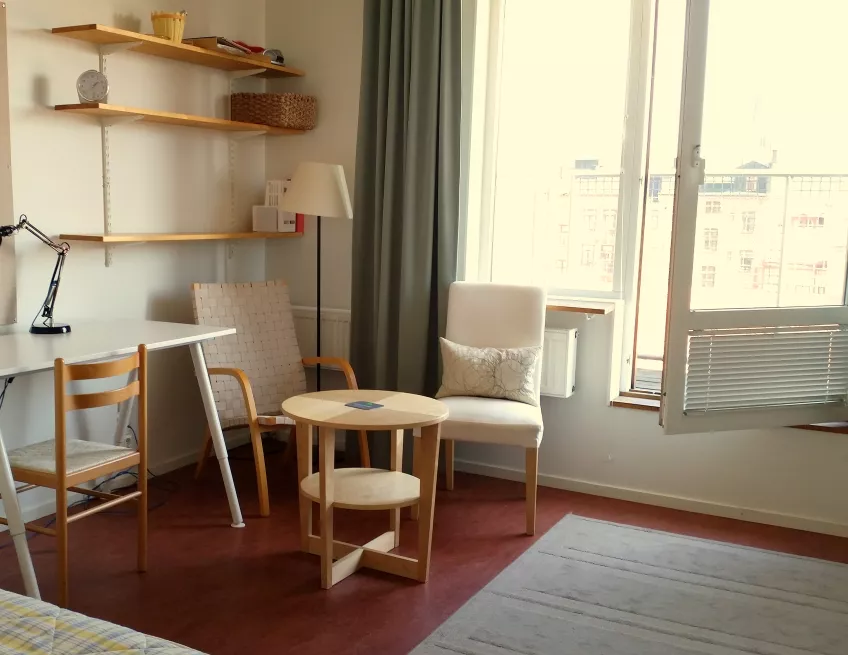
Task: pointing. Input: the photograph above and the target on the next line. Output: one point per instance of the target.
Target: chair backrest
(264, 346)
(64, 373)
(135, 364)
(486, 315)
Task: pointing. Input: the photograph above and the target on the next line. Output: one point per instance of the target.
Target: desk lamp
(318, 190)
(47, 326)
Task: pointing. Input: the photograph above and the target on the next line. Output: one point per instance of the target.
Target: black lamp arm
(61, 249)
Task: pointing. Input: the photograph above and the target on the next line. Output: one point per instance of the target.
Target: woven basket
(294, 111)
(168, 26)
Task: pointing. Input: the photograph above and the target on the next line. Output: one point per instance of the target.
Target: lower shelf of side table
(360, 488)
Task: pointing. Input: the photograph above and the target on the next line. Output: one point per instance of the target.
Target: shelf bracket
(109, 121)
(111, 48)
(241, 136)
(235, 75)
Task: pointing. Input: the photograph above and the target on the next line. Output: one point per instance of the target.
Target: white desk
(22, 353)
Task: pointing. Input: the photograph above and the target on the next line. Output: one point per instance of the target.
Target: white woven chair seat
(80, 455)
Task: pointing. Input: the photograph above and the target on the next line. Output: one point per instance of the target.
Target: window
(804, 221)
(608, 258)
(572, 165)
(528, 176)
(774, 354)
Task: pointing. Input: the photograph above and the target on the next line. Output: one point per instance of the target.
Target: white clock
(92, 86)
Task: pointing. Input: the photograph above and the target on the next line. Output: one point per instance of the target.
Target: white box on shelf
(274, 190)
(266, 219)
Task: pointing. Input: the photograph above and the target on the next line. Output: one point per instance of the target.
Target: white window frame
(681, 319)
(483, 136)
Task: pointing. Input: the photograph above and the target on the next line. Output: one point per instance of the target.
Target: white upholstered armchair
(496, 316)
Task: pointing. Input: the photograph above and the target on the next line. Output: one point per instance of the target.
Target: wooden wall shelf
(150, 45)
(180, 236)
(104, 111)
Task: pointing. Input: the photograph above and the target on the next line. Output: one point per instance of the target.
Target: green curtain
(406, 210)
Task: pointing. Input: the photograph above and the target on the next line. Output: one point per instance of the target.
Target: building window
(713, 206)
(561, 265)
(749, 222)
(587, 256)
(711, 239)
(804, 221)
(590, 218)
(608, 258)
(746, 260)
(610, 220)
(708, 276)
(655, 219)
(771, 277)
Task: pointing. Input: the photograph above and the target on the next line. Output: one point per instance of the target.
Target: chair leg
(449, 455)
(416, 471)
(364, 451)
(142, 511)
(62, 545)
(204, 454)
(259, 462)
(531, 481)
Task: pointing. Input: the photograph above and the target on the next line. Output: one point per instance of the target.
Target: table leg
(396, 465)
(428, 465)
(217, 435)
(16, 524)
(326, 466)
(416, 471)
(304, 470)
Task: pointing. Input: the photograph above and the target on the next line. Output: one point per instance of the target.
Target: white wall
(164, 178)
(774, 476)
(325, 39)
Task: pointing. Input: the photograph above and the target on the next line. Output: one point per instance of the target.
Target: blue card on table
(363, 404)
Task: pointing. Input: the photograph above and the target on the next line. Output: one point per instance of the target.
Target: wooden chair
(256, 369)
(63, 464)
(497, 316)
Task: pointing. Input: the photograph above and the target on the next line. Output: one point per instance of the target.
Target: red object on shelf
(298, 223)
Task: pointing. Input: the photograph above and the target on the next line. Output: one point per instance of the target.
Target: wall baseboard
(660, 500)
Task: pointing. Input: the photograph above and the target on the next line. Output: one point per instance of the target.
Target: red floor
(226, 591)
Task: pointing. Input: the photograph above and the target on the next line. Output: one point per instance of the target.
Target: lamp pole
(318, 309)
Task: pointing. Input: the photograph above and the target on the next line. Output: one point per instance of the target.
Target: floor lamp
(318, 190)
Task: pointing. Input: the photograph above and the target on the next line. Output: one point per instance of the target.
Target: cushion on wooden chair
(492, 420)
(80, 455)
(274, 420)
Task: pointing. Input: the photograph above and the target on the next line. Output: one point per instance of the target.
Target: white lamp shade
(318, 190)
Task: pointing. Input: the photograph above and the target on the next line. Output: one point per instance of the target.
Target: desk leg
(428, 466)
(16, 524)
(215, 428)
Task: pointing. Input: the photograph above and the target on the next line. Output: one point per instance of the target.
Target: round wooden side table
(366, 488)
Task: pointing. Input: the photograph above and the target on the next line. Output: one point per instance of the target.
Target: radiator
(559, 358)
(335, 331)
(559, 363)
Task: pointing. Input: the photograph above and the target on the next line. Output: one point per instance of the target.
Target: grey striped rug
(594, 588)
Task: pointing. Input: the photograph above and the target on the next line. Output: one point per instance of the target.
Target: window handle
(698, 163)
